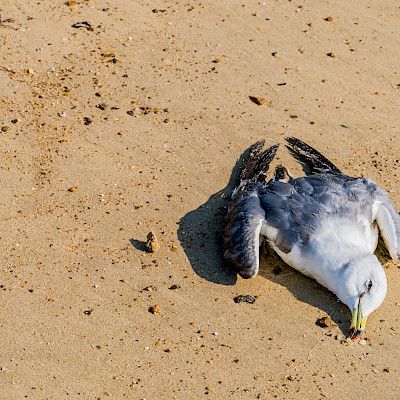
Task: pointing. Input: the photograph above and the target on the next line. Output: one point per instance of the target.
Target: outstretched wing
(245, 217)
(241, 236)
(312, 160)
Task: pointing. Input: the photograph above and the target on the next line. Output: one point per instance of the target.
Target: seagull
(324, 224)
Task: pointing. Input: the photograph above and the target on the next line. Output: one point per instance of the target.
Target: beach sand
(118, 118)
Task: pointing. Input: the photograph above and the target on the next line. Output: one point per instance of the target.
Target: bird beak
(358, 323)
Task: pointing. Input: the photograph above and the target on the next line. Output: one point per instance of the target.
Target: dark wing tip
(313, 161)
(256, 164)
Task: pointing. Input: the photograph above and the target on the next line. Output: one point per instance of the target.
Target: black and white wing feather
(312, 160)
(241, 237)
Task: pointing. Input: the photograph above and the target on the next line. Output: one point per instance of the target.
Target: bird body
(324, 225)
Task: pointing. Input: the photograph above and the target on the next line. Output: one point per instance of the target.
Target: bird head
(363, 291)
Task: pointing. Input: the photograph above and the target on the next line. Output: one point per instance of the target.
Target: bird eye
(369, 285)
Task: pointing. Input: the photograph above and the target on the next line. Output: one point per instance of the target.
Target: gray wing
(287, 215)
(241, 236)
(290, 212)
(352, 198)
(245, 215)
(296, 208)
(387, 218)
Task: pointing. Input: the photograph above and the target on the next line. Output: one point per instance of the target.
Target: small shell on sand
(325, 322)
(260, 101)
(152, 244)
(155, 309)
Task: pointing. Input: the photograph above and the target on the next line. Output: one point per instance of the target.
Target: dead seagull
(324, 224)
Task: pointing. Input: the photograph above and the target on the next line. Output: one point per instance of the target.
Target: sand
(132, 121)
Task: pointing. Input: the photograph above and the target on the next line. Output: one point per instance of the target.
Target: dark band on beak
(358, 323)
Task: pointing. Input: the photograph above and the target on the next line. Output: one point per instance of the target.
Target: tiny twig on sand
(5, 69)
(7, 20)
